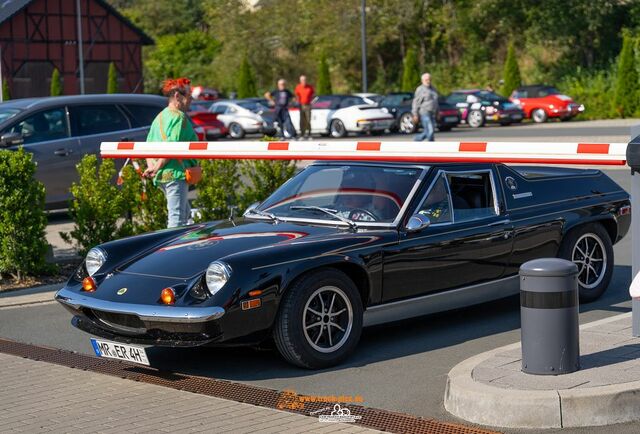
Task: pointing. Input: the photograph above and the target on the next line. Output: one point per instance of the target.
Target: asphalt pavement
(400, 367)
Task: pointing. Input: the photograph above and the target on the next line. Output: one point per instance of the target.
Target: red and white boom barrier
(613, 154)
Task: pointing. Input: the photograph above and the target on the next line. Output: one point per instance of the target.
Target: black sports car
(399, 105)
(343, 245)
(478, 107)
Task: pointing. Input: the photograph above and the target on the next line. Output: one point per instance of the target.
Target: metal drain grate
(370, 417)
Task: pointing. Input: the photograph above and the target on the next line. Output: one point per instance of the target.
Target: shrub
(410, 71)
(512, 79)
(626, 91)
(22, 219)
(324, 77)
(145, 207)
(96, 207)
(593, 90)
(264, 177)
(56, 83)
(218, 190)
(246, 80)
(112, 80)
(6, 93)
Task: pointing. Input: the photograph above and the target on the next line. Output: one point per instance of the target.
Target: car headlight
(217, 276)
(94, 260)
(385, 110)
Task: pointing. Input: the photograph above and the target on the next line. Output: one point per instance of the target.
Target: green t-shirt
(177, 128)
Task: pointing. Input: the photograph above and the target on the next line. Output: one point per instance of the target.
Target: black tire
(566, 119)
(405, 124)
(505, 124)
(236, 131)
(600, 261)
(337, 129)
(294, 340)
(539, 116)
(475, 118)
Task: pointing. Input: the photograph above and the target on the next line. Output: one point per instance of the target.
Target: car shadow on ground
(379, 343)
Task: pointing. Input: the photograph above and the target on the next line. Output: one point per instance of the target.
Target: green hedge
(22, 219)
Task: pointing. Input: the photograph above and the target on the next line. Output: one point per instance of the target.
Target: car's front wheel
(591, 249)
(539, 116)
(475, 119)
(320, 320)
(337, 129)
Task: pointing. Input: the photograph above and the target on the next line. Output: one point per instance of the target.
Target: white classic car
(339, 115)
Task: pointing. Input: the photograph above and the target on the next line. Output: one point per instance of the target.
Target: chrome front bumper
(174, 314)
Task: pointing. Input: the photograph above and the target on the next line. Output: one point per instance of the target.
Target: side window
(437, 204)
(43, 126)
(219, 109)
(95, 119)
(471, 195)
(456, 98)
(143, 115)
(231, 110)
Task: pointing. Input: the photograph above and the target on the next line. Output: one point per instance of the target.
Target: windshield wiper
(331, 212)
(269, 215)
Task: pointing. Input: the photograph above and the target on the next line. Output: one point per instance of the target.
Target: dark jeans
(284, 121)
(305, 120)
(428, 121)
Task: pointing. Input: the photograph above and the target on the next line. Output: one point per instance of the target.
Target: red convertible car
(540, 102)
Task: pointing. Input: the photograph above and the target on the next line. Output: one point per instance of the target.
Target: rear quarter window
(96, 119)
(142, 115)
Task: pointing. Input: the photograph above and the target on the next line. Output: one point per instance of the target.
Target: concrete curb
(26, 296)
(509, 408)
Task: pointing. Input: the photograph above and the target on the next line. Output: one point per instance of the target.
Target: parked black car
(344, 245)
(478, 107)
(59, 131)
(399, 105)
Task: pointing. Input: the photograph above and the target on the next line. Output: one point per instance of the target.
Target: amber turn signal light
(168, 296)
(89, 284)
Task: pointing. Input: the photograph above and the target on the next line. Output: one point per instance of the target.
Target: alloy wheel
(475, 119)
(327, 319)
(406, 124)
(590, 255)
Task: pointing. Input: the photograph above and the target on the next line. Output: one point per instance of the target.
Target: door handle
(500, 222)
(63, 152)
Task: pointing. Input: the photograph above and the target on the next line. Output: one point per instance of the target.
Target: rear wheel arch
(608, 223)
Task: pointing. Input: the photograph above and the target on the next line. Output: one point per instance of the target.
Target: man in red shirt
(304, 94)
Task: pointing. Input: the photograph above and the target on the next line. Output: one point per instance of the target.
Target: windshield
(358, 193)
(6, 113)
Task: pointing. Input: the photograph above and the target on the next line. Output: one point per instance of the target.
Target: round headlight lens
(217, 275)
(95, 259)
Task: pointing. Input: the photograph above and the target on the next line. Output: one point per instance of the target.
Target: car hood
(191, 253)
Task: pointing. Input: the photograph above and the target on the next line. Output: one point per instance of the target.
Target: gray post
(363, 32)
(80, 50)
(635, 234)
(549, 317)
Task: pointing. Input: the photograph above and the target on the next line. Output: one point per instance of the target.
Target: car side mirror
(11, 139)
(251, 207)
(417, 222)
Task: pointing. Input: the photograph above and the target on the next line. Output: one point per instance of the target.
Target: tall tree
(112, 80)
(324, 78)
(410, 71)
(511, 75)
(6, 93)
(56, 83)
(246, 86)
(626, 96)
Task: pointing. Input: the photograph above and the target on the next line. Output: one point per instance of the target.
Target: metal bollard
(549, 317)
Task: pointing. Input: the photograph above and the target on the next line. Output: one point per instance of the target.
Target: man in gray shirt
(425, 107)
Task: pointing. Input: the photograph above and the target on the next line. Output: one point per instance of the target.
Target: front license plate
(113, 350)
(516, 116)
(451, 119)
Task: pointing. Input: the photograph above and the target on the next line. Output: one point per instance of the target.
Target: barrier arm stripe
(489, 152)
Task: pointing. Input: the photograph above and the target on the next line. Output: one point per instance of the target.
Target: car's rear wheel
(337, 129)
(591, 249)
(320, 320)
(475, 118)
(539, 116)
(406, 125)
(236, 131)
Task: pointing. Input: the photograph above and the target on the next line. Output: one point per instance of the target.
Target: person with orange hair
(173, 125)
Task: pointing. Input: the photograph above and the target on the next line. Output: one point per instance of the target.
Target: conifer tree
(56, 83)
(626, 95)
(246, 80)
(323, 86)
(410, 71)
(112, 80)
(512, 79)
